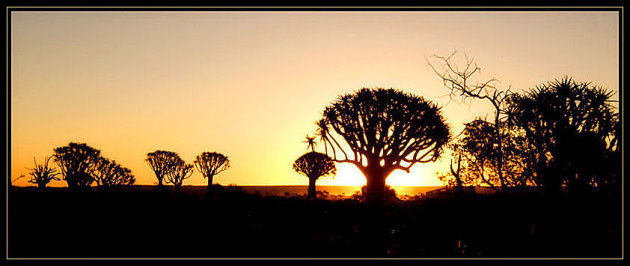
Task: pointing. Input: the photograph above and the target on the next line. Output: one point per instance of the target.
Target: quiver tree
(76, 162)
(42, 174)
(211, 164)
(162, 162)
(179, 172)
(385, 130)
(107, 173)
(314, 165)
(573, 131)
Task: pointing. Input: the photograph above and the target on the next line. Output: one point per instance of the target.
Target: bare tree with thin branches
(459, 81)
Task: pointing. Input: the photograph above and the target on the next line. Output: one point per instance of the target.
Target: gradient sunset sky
(251, 85)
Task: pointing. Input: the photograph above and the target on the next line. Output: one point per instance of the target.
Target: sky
(251, 85)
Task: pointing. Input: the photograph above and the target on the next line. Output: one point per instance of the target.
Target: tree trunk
(312, 192)
(41, 185)
(375, 191)
(210, 178)
(160, 181)
(376, 230)
(497, 126)
(72, 185)
(460, 185)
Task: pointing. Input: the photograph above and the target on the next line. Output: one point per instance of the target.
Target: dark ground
(144, 222)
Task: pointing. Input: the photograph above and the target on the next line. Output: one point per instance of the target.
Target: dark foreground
(149, 223)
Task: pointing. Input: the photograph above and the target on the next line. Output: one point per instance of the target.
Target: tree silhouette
(162, 162)
(323, 132)
(314, 165)
(310, 141)
(385, 130)
(477, 155)
(211, 164)
(76, 162)
(179, 172)
(572, 129)
(459, 81)
(108, 173)
(42, 174)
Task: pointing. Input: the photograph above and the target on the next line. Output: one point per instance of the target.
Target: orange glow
(349, 175)
(250, 85)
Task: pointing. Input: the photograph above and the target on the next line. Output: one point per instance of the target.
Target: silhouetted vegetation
(162, 162)
(573, 132)
(314, 165)
(211, 164)
(385, 130)
(107, 174)
(179, 172)
(389, 196)
(459, 81)
(42, 174)
(477, 158)
(562, 133)
(76, 161)
(82, 165)
(562, 136)
(138, 221)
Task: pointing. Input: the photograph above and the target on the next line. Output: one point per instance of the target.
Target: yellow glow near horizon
(250, 85)
(349, 175)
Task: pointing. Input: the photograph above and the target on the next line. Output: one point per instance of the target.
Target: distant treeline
(83, 166)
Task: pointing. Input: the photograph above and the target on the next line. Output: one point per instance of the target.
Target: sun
(349, 175)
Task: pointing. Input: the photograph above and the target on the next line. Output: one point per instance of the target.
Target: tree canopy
(572, 128)
(178, 172)
(385, 130)
(162, 162)
(211, 164)
(107, 173)
(82, 165)
(76, 161)
(477, 155)
(314, 165)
